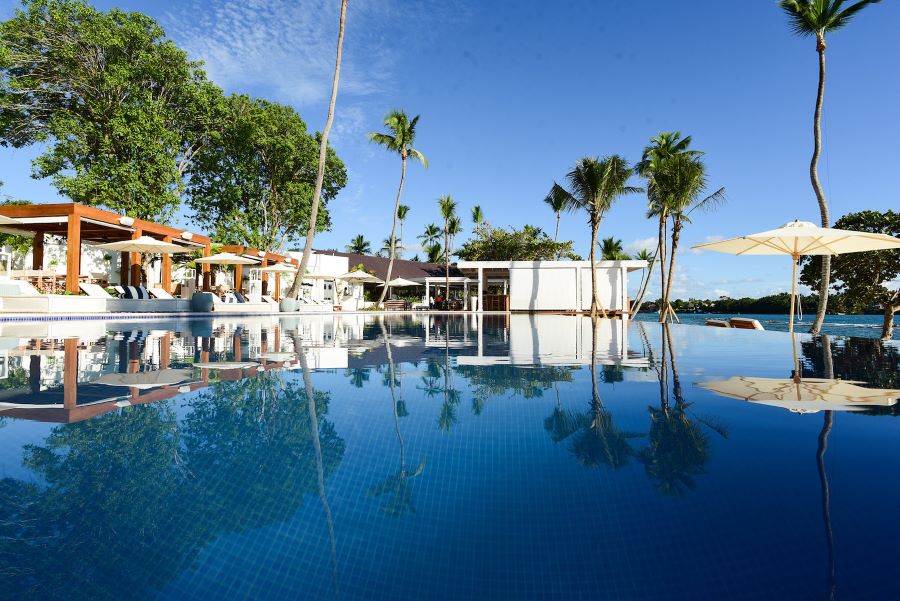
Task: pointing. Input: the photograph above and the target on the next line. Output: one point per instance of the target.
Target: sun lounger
(745, 323)
(717, 323)
(268, 299)
(94, 290)
(160, 294)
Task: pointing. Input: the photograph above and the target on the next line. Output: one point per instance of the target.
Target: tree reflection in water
(140, 484)
(397, 486)
(678, 446)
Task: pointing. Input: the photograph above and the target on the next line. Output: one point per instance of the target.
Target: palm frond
(418, 156)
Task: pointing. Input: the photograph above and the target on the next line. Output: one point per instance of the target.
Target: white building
(550, 285)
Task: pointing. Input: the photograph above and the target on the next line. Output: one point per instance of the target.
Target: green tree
(119, 110)
(477, 215)
(434, 252)
(431, 235)
(400, 140)
(17, 244)
(594, 185)
(815, 18)
(867, 282)
(254, 184)
(402, 212)
(663, 146)
(447, 206)
(313, 221)
(611, 250)
(527, 244)
(359, 245)
(681, 182)
(558, 203)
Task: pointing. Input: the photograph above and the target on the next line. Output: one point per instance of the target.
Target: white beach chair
(94, 290)
(160, 294)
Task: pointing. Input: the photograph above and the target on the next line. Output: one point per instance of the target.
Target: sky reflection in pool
(437, 457)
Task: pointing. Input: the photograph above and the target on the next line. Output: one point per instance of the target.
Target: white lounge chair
(160, 294)
(94, 290)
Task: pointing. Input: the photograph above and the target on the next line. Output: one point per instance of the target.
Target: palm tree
(664, 145)
(682, 183)
(650, 258)
(559, 203)
(400, 140)
(455, 230)
(434, 252)
(477, 215)
(402, 212)
(816, 18)
(323, 154)
(430, 236)
(594, 184)
(385, 250)
(359, 246)
(448, 211)
(611, 250)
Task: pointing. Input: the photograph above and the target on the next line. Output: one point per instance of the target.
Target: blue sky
(511, 94)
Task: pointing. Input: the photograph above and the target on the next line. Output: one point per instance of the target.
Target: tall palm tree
(400, 139)
(816, 18)
(594, 185)
(682, 184)
(559, 203)
(455, 230)
(385, 250)
(359, 245)
(448, 211)
(611, 250)
(650, 258)
(323, 154)
(430, 236)
(662, 146)
(477, 215)
(402, 212)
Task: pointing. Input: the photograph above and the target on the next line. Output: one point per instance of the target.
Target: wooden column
(207, 276)
(265, 276)
(73, 254)
(166, 275)
(136, 262)
(238, 274)
(37, 251)
(165, 351)
(277, 293)
(124, 266)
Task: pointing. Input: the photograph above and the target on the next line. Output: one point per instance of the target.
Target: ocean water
(866, 326)
(444, 457)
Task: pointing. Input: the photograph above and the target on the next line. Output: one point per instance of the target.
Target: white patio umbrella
(225, 364)
(361, 277)
(144, 244)
(402, 283)
(227, 259)
(799, 238)
(4, 220)
(804, 396)
(147, 379)
(279, 268)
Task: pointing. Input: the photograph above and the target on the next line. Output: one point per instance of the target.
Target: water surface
(437, 457)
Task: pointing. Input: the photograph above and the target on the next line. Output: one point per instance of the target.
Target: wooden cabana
(79, 223)
(265, 258)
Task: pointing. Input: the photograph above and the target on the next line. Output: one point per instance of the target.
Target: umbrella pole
(794, 260)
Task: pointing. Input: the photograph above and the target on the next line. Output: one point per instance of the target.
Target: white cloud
(720, 292)
(706, 240)
(640, 244)
(286, 48)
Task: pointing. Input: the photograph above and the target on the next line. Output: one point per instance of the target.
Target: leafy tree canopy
(862, 280)
(120, 110)
(529, 243)
(254, 184)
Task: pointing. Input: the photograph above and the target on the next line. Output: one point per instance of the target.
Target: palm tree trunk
(323, 155)
(446, 263)
(646, 284)
(661, 257)
(393, 232)
(391, 372)
(593, 256)
(676, 232)
(817, 187)
(887, 324)
(556, 235)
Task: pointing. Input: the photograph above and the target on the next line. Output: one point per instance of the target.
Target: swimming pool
(439, 457)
